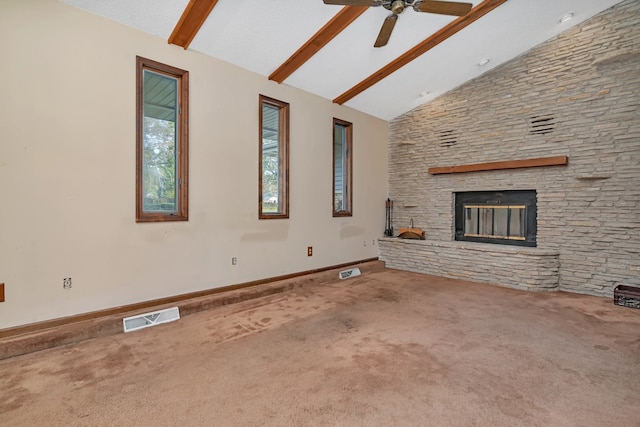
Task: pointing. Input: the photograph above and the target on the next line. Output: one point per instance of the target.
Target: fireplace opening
(504, 217)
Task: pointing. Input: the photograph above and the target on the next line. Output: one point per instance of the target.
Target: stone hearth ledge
(519, 267)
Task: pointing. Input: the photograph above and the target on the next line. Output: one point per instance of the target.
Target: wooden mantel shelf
(508, 164)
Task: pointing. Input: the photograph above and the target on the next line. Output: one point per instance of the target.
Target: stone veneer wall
(587, 81)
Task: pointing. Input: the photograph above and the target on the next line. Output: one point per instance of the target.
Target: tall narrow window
(273, 159)
(162, 156)
(342, 177)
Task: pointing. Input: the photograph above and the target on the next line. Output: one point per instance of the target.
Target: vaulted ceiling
(328, 49)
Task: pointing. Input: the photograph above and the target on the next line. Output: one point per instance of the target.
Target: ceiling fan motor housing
(397, 7)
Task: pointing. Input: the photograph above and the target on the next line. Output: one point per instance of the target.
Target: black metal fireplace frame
(507, 197)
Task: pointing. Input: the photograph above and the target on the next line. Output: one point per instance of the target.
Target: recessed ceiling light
(564, 18)
(483, 62)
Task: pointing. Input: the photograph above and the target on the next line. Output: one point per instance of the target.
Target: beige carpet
(387, 348)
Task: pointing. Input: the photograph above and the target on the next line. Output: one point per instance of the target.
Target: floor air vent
(142, 321)
(352, 272)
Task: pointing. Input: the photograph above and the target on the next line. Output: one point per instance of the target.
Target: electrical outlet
(234, 260)
(66, 283)
(309, 250)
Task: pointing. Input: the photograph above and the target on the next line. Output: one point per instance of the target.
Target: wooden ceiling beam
(424, 46)
(190, 22)
(335, 26)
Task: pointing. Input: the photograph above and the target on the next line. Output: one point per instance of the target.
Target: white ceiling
(260, 35)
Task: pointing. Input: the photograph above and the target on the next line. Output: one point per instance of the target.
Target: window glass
(273, 158)
(159, 137)
(162, 142)
(342, 145)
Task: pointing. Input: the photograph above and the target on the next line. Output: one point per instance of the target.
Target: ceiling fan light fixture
(564, 18)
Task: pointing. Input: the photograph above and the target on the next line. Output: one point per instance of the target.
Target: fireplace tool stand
(388, 231)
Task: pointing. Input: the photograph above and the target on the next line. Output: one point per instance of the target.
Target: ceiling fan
(398, 6)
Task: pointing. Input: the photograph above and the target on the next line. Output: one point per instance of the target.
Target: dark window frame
(506, 197)
(182, 146)
(347, 196)
(283, 159)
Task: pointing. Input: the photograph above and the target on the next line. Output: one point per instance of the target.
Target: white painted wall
(67, 173)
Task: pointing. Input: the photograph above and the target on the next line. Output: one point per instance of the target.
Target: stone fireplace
(494, 240)
(509, 131)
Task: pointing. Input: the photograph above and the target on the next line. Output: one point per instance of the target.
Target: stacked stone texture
(448, 259)
(587, 80)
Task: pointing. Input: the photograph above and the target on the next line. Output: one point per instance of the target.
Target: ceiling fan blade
(443, 7)
(354, 2)
(385, 31)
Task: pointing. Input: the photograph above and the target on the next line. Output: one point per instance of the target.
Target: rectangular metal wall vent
(352, 272)
(448, 138)
(146, 320)
(541, 125)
